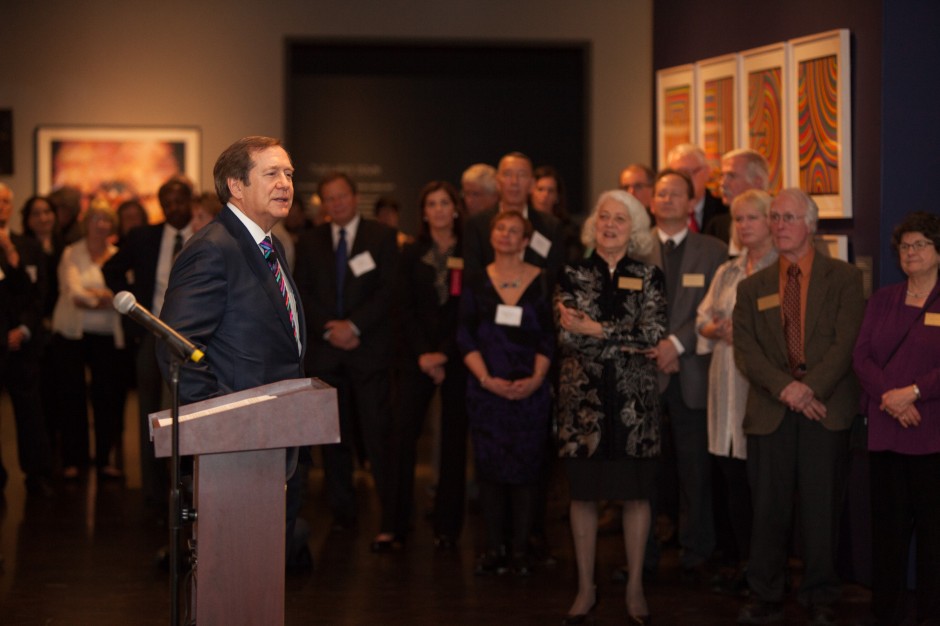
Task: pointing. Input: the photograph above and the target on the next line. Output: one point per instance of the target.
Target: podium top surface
(284, 414)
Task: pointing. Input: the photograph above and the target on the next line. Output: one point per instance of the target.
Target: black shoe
(694, 575)
(343, 525)
(300, 562)
(491, 562)
(760, 612)
(445, 543)
(39, 486)
(821, 615)
(521, 566)
(396, 542)
(732, 583)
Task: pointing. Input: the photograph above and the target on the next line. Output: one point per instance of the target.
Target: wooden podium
(239, 441)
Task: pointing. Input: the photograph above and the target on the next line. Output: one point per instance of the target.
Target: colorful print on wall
(819, 142)
(675, 109)
(719, 119)
(765, 118)
(678, 120)
(818, 115)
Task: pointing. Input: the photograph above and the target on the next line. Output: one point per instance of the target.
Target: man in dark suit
(346, 272)
(690, 159)
(795, 325)
(514, 179)
(142, 266)
(230, 292)
(689, 261)
(23, 277)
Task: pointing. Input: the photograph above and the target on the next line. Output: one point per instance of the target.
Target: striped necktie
(271, 257)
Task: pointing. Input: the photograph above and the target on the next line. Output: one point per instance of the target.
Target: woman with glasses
(898, 364)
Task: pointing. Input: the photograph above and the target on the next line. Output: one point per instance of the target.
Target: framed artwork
(763, 120)
(675, 91)
(836, 245)
(716, 107)
(116, 162)
(820, 143)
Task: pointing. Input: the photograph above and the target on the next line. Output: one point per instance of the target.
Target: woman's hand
(522, 388)
(577, 322)
(895, 401)
(909, 417)
(498, 387)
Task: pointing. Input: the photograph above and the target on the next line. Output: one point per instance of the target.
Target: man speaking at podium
(230, 291)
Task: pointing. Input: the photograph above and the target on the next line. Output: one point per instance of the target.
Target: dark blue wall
(910, 130)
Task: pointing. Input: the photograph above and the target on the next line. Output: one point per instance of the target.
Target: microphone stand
(178, 513)
(176, 494)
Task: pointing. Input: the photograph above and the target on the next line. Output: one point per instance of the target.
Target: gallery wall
(220, 65)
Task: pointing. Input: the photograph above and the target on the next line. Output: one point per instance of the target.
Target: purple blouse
(916, 361)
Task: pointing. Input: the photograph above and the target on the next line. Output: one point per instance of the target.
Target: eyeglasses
(786, 218)
(637, 186)
(917, 245)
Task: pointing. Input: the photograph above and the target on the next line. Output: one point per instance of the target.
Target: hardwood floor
(86, 556)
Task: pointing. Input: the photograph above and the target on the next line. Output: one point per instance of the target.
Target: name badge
(33, 272)
(454, 263)
(768, 302)
(508, 315)
(540, 244)
(693, 280)
(932, 319)
(361, 263)
(628, 282)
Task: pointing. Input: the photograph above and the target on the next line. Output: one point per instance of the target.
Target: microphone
(126, 304)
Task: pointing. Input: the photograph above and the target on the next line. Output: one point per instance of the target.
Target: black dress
(608, 396)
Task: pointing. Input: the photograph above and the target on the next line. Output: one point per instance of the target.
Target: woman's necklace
(918, 294)
(509, 284)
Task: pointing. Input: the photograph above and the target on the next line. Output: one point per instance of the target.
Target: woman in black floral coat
(611, 309)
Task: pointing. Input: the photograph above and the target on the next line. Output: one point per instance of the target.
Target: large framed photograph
(675, 109)
(716, 107)
(116, 162)
(820, 142)
(763, 122)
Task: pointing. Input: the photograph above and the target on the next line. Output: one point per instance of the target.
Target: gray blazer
(700, 260)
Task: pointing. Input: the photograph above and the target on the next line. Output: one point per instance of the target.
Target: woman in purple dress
(506, 337)
(898, 364)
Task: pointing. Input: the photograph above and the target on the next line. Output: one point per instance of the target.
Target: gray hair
(755, 165)
(482, 174)
(801, 197)
(641, 240)
(687, 148)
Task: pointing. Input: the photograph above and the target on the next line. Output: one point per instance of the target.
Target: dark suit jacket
(368, 299)
(712, 209)
(224, 298)
(134, 268)
(28, 305)
(14, 287)
(478, 253)
(834, 309)
(701, 257)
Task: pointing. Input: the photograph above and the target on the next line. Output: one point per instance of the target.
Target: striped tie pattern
(268, 249)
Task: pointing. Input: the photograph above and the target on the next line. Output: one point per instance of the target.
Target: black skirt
(629, 478)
